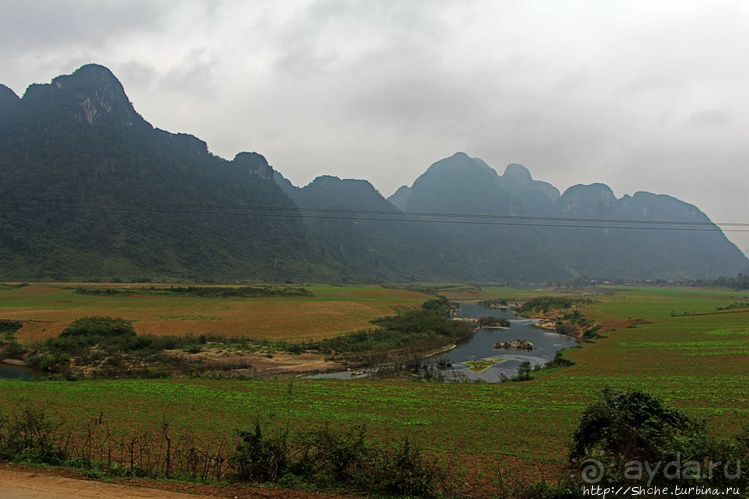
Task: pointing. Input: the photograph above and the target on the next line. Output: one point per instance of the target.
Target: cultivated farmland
(330, 310)
(698, 361)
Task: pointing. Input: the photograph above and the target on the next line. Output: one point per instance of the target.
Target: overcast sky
(638, 94)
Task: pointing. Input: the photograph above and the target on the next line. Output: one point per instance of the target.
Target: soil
(22, 482)
(265, 365)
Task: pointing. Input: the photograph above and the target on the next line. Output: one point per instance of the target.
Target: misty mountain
(691, 246)
(366, 237)
(91, 190)
(539, 234)
(498, 249)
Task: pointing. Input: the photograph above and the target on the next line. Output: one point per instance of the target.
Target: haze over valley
(93, 191)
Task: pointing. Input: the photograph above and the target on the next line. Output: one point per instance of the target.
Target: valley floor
(687, 346)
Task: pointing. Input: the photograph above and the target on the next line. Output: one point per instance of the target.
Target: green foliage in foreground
(633, 439)
(327, 458)
(620, 435)
(322, 457)
(635, 426)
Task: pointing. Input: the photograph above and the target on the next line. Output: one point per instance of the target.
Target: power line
(371, 215)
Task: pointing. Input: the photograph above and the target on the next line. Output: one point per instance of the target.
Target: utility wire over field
(373, 215)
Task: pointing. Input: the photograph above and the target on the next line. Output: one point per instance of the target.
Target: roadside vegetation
(618, 435)
(269, 452)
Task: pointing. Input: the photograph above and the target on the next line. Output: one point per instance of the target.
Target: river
(11, 371)
(477, 360)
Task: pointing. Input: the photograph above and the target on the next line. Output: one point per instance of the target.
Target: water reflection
(466, 359)
(477, 359)
(10, 371)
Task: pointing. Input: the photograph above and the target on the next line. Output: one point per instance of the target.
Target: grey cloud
(49, 24)
(337, 37)
(710, 118)
(195, 74)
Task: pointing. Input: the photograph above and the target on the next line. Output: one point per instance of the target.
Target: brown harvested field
(47, 309)
(34, 331)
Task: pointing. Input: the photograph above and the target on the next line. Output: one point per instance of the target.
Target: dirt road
(21, 482)
(24, 485)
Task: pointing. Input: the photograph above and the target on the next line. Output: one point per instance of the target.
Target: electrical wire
(371, 215)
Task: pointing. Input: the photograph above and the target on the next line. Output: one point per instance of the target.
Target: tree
(633, 438)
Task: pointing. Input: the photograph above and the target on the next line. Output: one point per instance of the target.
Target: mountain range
(90, 190)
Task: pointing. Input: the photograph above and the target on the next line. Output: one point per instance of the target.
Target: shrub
(326, 457)
(337, 457)
(106, 327)
(624, 432)
(260, 457)
(30, 435)
(9, 326)
(406, 471)
(13, 350)
(566, 329)
(633, 425)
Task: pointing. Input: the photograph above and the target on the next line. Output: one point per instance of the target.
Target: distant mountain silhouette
(91, 191)
(351, 224)
(550, 248)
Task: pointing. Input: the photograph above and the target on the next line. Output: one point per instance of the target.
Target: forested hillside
(90, 190)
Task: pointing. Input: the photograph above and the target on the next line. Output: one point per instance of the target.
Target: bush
(338, 457)
(9, 327)
(523, 373)
(106, 327)
(406, 471)
(30, 435)
(13, 350)
(260, 457)
(328, 458)
(625, 432)
(566, 329)
(633, 425)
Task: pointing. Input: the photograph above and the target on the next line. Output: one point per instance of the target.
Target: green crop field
(698, 362)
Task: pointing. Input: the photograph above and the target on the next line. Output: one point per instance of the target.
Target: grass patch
(482, 365)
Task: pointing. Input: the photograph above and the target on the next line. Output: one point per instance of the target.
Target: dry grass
(48, 309)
